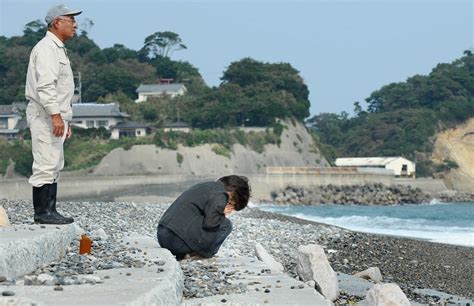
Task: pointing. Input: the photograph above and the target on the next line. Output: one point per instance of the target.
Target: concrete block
(24, 248)
(123, 286)
(264, 256)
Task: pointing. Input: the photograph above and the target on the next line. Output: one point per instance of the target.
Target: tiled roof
(97, 110)
(160, 88)
(130, 125)
(176, 124)
(8, 110)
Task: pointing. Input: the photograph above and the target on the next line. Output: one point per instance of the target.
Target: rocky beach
(412, 264)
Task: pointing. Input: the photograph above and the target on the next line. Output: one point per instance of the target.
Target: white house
(11, 121)
(399, 165)
(129, 129)
(159, 90)
(93, 115)
(177, 126)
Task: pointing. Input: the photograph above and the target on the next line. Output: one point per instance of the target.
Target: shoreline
(410, 263)
(294, 219)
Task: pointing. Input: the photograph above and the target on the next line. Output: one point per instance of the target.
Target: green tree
(162, 44)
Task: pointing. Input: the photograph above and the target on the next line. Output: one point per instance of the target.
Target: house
(129, 129)
(11, 121)
(158, 90)
(177, 126)
(399, 165)
(93, 115)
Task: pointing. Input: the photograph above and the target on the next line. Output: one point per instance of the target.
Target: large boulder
(372, 273)
(3, 218)
(268, 259)
(312, 264)
(386, 295)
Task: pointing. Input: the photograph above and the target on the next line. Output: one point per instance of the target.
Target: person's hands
(58, 125)
(229, 208)
(69, 132)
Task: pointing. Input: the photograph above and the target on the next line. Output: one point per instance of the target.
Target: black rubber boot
(53, 191)
(43, 206)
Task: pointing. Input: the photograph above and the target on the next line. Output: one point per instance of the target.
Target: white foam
(413, 228)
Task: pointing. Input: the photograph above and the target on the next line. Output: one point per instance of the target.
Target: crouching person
(196, 223)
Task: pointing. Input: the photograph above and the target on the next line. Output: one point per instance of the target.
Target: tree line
(251, 92)
(402, 118)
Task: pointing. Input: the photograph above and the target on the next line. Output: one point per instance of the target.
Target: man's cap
(58, 11)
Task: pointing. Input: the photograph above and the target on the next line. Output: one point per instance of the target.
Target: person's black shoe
(52, 219)
(53, 191)
(44, 203)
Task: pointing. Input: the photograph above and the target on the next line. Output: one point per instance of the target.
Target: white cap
(58, 11)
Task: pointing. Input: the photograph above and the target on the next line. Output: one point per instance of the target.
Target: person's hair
(240, 189)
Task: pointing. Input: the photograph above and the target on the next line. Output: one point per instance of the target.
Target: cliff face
(457, 145)
(297, 149)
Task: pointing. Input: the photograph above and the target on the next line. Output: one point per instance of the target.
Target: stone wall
(362, 194)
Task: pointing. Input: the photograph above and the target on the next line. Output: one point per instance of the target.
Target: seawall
(107, 188)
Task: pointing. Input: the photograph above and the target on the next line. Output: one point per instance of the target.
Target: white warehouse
(400, 166)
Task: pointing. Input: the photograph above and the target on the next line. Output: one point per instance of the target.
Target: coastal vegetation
(402, 118)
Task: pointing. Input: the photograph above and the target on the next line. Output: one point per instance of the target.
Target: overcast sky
(344, 50)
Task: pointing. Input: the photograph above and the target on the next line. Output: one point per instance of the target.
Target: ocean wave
(413, 228)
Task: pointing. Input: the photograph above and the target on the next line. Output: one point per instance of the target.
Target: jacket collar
(54, 38)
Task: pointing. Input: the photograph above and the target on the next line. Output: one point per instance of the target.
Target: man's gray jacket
(196, 215)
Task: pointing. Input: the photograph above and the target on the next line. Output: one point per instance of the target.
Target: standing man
(49, 90)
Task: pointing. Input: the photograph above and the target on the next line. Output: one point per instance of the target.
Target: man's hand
(58, 125)
(69, 132)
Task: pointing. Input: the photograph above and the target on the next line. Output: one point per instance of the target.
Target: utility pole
(78, 88)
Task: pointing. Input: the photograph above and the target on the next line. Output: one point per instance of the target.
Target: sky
(344, 50)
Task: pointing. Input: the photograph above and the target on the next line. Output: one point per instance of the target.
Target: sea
(451, 223)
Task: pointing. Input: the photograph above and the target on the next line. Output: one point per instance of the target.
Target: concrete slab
(264, 286)
(150, 285)
(24, 248)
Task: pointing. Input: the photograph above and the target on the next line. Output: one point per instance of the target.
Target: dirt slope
(457, 145)
(297, 149)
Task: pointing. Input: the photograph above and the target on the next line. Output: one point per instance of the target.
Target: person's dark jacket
(196, 215)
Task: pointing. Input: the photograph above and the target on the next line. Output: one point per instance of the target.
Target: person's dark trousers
(224, 230)
(169, 240)
(44, 203)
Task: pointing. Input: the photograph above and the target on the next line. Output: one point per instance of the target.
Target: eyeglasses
(71, 20)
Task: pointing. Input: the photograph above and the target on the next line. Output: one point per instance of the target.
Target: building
(11, 121)
(129, 129)
(177, 126)
(93, 115)
(399, 165)
(159, 90)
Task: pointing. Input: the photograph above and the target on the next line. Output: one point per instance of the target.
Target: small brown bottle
(85, 245)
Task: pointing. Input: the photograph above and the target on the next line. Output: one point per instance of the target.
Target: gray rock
(372, 273)
(312, 264)
(386, 295)
(46, 279)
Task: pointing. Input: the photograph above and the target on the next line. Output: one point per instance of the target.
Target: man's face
(66, 26)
